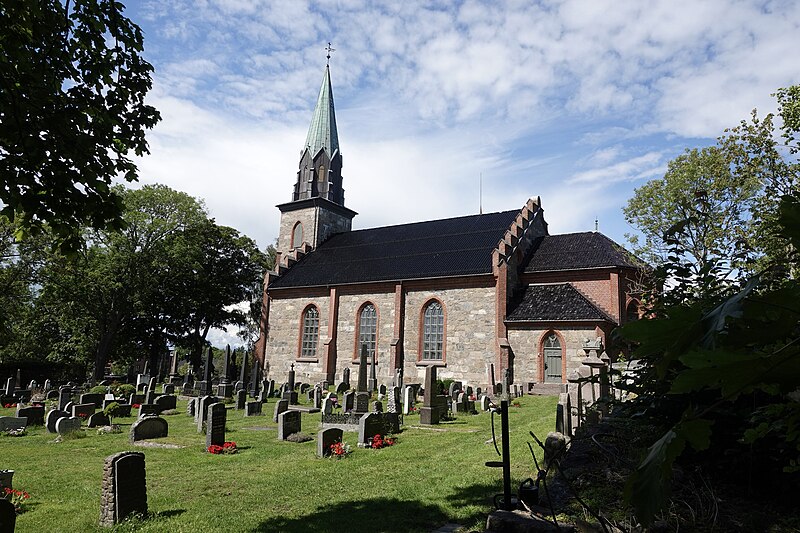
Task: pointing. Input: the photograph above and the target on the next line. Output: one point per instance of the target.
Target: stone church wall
(526, 344)
(346, 350)
(469, 333)
(285, 319)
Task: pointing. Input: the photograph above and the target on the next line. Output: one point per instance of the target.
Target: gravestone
(342, 387)
(281, 406)
(382, 389)
(12, 423)
(149, 409)
(304, 387)
(288, 392)
(393, 399)
(97, 420)
(9, 390)
(327, 406)
(215, 426)
(270, 388)
(150, 395)
(52, 417)
(89, 397)
(484, 402)
(288, 424)
(372, 382)
(142, 379)
(64, 397)
(317, 397)
(83, 410)
(67, 424)
(347, 401)
(124, 410)
(252, 408)
(166, 402)
(241, 398)
(68, 407)
(53, 395)
(191, 406)
(34, 414)
(149, 427)
(326, 438)
(369, 425)
(201, 412)
(238, 385)
(47, 385)
(346, 377)
(377, 407)
(124, 489)
(141, 387)
(429, 413)
(564, 415)
(187, 389)
(8, 516)
(455, 388)
(408, 399)
(169, 388)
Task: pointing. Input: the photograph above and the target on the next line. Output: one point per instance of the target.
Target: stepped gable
(460, 246)
(575, 251)
(554, 303)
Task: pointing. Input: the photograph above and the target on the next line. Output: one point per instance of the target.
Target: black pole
(507, 504)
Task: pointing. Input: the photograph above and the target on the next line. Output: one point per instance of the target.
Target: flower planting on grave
(227, 448)
(340, 450)
(16, 497)
(9, 405)
(377, 442)
(14, 432)
(108, 430)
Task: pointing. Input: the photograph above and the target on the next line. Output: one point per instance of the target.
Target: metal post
(507, 503)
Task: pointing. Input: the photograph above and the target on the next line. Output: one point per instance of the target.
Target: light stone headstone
(52, 417)
(68, 424)
(408, 399)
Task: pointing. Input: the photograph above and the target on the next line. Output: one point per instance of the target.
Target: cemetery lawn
(429, 478)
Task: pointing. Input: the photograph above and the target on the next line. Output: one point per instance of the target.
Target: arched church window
(322, 176)
(433, 332)
(552, 359)
(308, 345)
(367, 329)
(297, 235)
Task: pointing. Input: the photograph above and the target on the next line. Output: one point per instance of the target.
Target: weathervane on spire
(329, 49)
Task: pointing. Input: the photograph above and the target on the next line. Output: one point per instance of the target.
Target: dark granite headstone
(241, 398)
(83, 410)
(166, 402)
(369, 425)
(34, 414)
(149, 427)
(288, 424)
(8, 516)
(377, 407)
(190, 406)
(124, 489)
(201, 410)
(89, 397)
(149, 409)
(98, 419)
(280, 407)
(8, 423)
(252, 408)
(169, 388)
(64, 397)
(326, 438)
(342, 387)
(215, 425)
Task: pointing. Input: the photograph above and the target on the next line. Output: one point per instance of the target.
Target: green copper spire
(322, 132)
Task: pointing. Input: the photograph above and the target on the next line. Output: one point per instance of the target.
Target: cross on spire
(329, 50)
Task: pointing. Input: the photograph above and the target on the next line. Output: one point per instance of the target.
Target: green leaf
(648, 488)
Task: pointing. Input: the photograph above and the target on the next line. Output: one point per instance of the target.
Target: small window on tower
(297, 235)
(322, 176)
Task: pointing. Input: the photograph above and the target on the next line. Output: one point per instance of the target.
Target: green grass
(427, 479)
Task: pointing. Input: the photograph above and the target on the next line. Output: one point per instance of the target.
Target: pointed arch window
(367, 329)
(433, 332)
(297, 235)
(632, 313)
(310, 332)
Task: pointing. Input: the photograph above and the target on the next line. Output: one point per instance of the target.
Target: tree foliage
(720, 358)
(73, 87)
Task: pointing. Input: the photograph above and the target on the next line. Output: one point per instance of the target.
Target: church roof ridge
(322, 132)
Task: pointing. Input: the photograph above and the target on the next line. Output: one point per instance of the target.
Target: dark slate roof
(572, 251)
(459, 246)
(559, 302)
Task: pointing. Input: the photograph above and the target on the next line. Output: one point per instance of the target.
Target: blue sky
(576, 102)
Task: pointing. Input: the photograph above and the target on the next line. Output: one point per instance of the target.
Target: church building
(473, 295)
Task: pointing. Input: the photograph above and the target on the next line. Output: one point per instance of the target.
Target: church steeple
(317, 208)
(320, 172)
(322, 133)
